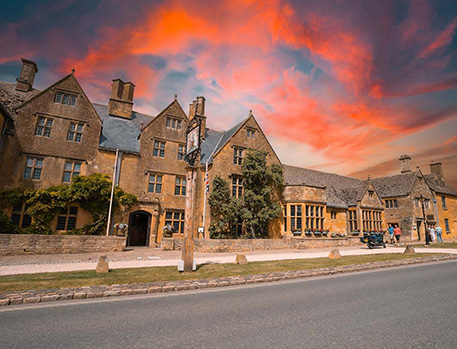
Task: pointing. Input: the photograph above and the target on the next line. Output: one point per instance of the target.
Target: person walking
(439, 231)
(391, 234)
(397, 234)
(432, 233)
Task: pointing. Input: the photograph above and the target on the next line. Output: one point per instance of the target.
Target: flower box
(355, 233)
(296, 232)
(308, 233)
(317, 233)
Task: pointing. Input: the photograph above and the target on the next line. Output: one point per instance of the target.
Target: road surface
(407, 307)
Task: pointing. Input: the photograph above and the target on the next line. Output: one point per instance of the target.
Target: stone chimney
(437, 169)
(121, 101)
(25, 80)
(197, 109)
(405, 163)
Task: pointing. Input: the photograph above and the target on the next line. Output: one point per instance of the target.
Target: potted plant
(341, 235)
(296, 232)
(168, 230)
(324, 232)
(318, 232)
(333, 235)
(308, 232)
(355, 232)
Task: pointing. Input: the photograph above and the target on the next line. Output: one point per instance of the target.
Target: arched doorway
(139, 228)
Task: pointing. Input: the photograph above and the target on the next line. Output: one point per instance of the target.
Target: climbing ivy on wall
(91, 193)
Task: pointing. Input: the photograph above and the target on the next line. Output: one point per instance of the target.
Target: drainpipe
(108, 225)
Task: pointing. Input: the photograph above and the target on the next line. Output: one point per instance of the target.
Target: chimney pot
(437, 169)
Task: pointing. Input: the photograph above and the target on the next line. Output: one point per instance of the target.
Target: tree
(222, 209)
(91, 193)
(259, 205)
(262, 193)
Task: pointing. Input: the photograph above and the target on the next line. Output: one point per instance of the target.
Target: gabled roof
(120, 133)
(341, 191)
(438, 186)
(398, 185)
(174, 102)
(11, 99)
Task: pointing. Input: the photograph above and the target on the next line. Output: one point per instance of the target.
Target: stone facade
(58, 127)
(14, 244)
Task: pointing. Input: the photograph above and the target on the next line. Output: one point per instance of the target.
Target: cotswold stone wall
(14, 244)
(244, 245)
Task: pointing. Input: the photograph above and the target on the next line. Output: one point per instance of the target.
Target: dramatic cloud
(354, 83)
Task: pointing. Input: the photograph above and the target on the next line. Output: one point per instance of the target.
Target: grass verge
(207, 271)
(441, 245)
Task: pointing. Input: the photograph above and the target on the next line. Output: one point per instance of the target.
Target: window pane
(158, 188)
(71, 136)
(49, 123)
(15, 219)
(169, 215)
(59, 97)
(26, 221)
(61, 220)
(65, 99)
(29, 162)
(27, 173)
(66, 177)
(72, 127)
(71, 223)
(80, 127)
(151, 188)
(39, 162)
(68, 165)
(78, 137)
(77, 166)
(73, 101)
(159, 179)
(36, 173)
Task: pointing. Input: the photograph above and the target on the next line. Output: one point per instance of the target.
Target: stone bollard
(241, 259)
(334, 254)
(409, 250)
(102, 265)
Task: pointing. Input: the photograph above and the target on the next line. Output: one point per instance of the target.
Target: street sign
(193, 140)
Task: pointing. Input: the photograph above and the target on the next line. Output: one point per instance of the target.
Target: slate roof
(398, 185)
(341, 191)
(209, 144)
(440, 186)
(11, 99)
(120, 133)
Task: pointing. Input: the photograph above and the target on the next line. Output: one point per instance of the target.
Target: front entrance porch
(139, 228)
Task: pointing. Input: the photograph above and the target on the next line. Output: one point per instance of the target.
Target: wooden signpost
(192, 157)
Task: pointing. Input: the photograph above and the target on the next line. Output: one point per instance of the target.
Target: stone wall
(14, 244)
(244, 245)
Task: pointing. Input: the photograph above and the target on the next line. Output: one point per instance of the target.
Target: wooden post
(188, 243)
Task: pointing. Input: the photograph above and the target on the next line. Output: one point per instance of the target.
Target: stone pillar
(188, 243)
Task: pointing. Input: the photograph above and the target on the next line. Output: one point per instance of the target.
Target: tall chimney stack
(437, 169)
(405, 163)
(121, 101)
(25, 80)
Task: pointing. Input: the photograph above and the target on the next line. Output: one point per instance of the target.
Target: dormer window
(250, 133)
(173, 123)
(64, 98)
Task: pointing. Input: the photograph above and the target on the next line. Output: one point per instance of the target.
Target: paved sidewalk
(151, 257)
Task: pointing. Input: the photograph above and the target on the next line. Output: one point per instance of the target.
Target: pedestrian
(439, 231)
(391, 234)
(397, 234)
(432, 233)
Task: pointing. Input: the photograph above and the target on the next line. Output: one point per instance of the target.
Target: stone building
(52, 135)
(315, 200)
(445, 198)
(58, 133)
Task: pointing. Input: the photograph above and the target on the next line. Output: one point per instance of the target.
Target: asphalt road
(409, 307)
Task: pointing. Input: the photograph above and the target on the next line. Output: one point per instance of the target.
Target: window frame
(175, 222)
(158, 149)
(181, 152)
(173, 123)
(156, 185)
(66, 98)
(180, 185)
(68, 216)
(45, 129)
(237, 155)
(33, 168)
(72, 172)
(76, 133)
(25, 220)
(237, 186)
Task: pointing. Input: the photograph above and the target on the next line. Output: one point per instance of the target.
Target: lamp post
(427, 236)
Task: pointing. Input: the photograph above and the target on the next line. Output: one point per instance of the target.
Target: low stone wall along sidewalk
(87, 292)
